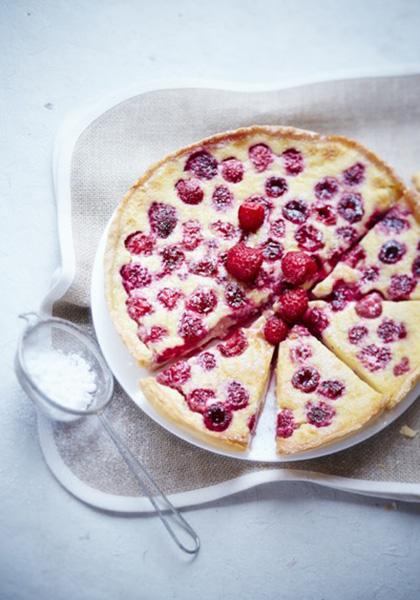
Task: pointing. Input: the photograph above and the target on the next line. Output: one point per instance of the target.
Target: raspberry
(217, 417)
(237, 396)
(309, 238)
(227, 230)
(355, 174)
(342, 294)
(192, 328)
(374, 358)
(293, 161)
(235, 344)
(169, 297)
(139, 243)
(155, 334)
(243, 262)
(402, 367)
(278, 228)
(370, 307)
(296, 211)
(272, 250)
(172, 258)
(285, 423)
(301, 353)
(292, 305)
(202, 301)
(316, 320)
(134, 276)
(390, 331)
(235, 297)
(207, 266)
(415, 269)
(202, 164)
(306, 379)
(198, 399)
(326, 188)
(189, 191)
(176, 375)
(348, 234)
(401, 287)
(391, 252)
(275, 187)
(370, 273)
(350, 207)
(207, 361)
(393, 223)
(298, 267)
(191, 234)
(356, 333)
(137, 307)
(162, 218)
(331, 388)
(232, 170)
(325, 213)
(251, 216)
(275, 330)
(261, 157)
(320, 414)
(222, 197)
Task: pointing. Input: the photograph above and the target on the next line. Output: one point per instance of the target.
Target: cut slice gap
(386, 259)
(319, 398)
(218, 394)
(379, 340)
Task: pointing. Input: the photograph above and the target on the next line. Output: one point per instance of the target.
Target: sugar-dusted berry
(217, 417)
(189, 191)
(202, 164)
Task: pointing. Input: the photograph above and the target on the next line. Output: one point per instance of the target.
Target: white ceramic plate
(128, 374)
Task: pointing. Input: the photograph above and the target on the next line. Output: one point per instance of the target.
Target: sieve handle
(169, 515)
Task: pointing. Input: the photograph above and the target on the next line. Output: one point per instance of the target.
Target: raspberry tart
(387, 259)
(196, 246)
(218, 393)
(320, 399)
(378, 339)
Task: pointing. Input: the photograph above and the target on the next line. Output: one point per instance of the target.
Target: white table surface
(280, 541)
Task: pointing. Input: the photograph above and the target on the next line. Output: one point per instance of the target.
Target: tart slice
(379, 340)
(387, 259)
(196, 244)
(319, 398)
(218, 394)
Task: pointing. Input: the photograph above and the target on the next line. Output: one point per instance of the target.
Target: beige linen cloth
(115, 149)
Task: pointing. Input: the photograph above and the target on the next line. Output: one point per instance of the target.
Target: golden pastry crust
(402, 392)
(290, 446)
(412, 200)
(355, 406)
(115, 254)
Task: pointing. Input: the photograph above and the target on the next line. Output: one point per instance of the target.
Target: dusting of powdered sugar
(67, 379)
